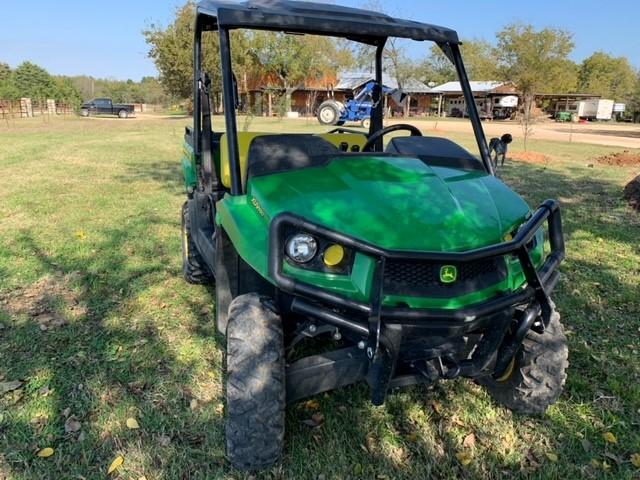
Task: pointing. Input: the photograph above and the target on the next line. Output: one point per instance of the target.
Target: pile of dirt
(632, 193)
(531, 157)
(620, 159)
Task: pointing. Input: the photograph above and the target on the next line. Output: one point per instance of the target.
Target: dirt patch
(632, 193)
(50, 302)
(620, 159)
(530, 157)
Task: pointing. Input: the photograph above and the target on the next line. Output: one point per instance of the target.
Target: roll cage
(287, 16)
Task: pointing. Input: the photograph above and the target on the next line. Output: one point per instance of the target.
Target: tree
(171, 50)
(5, 71)
(535, 61)
(479, 59)
(611, 77)
(291, 59)
(34, 81)
(8, 90)
(66, 91)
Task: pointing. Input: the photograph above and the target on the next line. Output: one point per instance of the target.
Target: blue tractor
(357, 109)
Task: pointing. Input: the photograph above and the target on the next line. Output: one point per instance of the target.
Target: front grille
(417, 278)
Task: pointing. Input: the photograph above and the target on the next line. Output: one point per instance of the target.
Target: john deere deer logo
(448, 274)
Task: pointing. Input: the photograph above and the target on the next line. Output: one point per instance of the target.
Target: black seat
(280, 153)
(435, 152)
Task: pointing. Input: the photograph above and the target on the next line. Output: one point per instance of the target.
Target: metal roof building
(351, 80)
(481, 87)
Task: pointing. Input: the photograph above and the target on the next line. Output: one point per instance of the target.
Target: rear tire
(123, 114)
(194, 269)
(329, 113)
(256, 395)
(538, 373)
(366, 123)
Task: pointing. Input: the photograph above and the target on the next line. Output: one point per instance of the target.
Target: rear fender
(189, 167)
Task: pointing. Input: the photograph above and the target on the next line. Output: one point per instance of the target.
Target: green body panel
(394, 203)
(189, 166)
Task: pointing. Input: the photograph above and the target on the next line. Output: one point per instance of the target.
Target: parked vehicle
(593, 109)
(104, 106)
(357, 109)
(338, 260)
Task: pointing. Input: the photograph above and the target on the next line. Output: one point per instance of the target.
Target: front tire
(536, 377)
(194, 269)
(256, 395)
(84, 112)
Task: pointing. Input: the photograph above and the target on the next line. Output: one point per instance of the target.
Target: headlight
(301, 248)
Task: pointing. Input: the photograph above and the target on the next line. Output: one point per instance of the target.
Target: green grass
(89, 234)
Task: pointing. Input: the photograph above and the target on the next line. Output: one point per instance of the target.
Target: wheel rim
(327, 115)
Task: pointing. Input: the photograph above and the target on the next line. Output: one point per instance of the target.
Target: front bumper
(391, 326)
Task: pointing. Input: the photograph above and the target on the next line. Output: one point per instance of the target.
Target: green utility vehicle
(337, 259)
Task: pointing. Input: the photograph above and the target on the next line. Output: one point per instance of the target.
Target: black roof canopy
(319, 19)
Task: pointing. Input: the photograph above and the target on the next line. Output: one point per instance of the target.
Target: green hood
(396, 203)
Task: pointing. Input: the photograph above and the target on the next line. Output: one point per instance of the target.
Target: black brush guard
(388, 326)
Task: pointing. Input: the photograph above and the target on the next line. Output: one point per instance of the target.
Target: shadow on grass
(114, 355)
(164, 172)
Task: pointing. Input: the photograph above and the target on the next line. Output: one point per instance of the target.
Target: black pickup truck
(104, 106)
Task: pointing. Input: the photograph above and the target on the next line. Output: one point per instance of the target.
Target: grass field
(97, 327)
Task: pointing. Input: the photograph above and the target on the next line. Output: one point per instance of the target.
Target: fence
(26, 108)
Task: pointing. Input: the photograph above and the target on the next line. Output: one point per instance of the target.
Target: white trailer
(595, 109)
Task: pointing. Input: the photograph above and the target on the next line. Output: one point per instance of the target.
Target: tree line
(535, 60)
(32, 81)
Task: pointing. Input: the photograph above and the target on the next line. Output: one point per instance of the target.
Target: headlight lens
(301, 248)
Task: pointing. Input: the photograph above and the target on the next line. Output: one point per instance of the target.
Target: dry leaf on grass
(552, 456)
(609, 437)
(312, 405)
(66, 412)
(132, 424)
(45, 452)
(456, 421)
(6, 387)
(412, 437)
(635, 460)
(464, 458)
(115, 464)
(469, 441)
(72, 425)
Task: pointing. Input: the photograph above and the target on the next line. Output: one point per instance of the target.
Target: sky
(104, 39)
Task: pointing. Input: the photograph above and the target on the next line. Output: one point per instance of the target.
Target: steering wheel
(371, 141)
